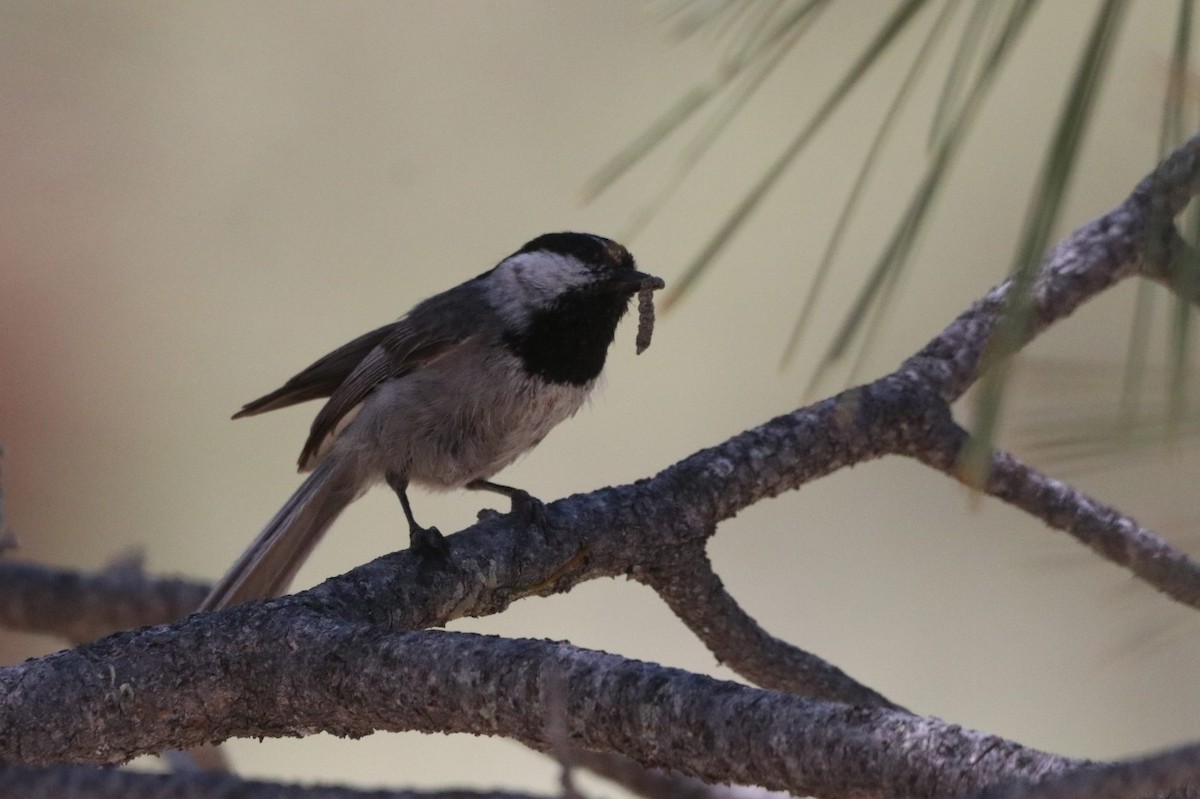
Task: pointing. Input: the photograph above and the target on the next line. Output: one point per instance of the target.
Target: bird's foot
(428, 541)
(528, 510)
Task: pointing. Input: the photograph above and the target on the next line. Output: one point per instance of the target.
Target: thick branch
(285, 669)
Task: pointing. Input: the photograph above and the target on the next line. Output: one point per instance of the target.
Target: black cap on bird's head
(594, 250)
(600, 254)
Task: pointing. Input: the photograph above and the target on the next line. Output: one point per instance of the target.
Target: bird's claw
(529, 510)
(428, 541)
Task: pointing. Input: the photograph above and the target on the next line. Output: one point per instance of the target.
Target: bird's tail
(268, 565)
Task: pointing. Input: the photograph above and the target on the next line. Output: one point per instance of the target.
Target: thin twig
(696, 595)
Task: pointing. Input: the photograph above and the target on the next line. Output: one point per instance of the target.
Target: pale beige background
(197, 199)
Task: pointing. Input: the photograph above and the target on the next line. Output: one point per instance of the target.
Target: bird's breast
(452, 423)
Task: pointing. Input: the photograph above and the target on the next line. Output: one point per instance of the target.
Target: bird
(454, 391)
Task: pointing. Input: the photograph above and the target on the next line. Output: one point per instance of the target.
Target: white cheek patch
(532, 280)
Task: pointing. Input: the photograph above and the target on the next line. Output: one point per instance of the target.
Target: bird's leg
(525, 507)
(427, 540)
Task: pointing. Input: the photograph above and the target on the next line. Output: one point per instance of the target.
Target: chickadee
(447, 396)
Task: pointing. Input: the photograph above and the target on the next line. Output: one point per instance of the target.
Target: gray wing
(323, 377)
(402, 351)
(433, 328)
(351, 372)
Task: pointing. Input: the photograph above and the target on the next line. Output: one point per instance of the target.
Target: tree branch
(89, 782)
(79, 607)
(281, 668)
(1139, 235)
(1174, 770)
(657, 784)
(696, 595)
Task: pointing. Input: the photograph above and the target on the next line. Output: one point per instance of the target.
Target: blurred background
(199, 199)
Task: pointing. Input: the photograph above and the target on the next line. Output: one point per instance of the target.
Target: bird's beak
(634, 281)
